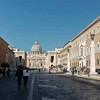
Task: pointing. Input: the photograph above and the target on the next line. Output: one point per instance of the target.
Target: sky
(51, 22)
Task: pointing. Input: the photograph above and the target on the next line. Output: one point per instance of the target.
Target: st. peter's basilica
(36, 58)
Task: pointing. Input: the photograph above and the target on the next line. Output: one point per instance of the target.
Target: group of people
(6, 71)
(22, 73)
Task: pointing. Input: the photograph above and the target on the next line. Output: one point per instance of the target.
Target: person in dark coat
(3, 71)
(8, 72)
(19, 75)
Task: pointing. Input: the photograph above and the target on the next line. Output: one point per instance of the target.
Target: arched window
(84, 52)
(81, 51)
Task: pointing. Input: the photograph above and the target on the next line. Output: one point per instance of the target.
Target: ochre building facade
(84, 48)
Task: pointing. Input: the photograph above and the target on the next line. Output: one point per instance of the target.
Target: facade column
(92, 56)
(31, 63)
(68, 60)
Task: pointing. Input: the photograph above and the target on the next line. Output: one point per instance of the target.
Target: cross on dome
(36, 42)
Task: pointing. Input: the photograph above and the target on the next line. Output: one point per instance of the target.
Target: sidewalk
(95, 77)
(10, 91)
(0, 75)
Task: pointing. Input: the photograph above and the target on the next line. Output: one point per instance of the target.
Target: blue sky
(51, 22)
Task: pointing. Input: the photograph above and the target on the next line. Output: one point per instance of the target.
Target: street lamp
(92, 56)
(92, 36)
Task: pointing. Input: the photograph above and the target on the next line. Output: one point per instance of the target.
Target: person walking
(19, 74)
(3, 72)
(39, 70)
(25, 76)
(8, 72)
(73, 72)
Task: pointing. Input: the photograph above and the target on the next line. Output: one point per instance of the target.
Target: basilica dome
(36, 49)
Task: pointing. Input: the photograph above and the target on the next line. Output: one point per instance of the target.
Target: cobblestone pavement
(9, 89)
(50, 87)
(55, 87)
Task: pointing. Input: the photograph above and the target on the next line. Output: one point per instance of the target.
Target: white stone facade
(20, 57)
(36, 58)
(52, 58)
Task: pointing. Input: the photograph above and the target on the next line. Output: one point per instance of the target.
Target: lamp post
(92, 56)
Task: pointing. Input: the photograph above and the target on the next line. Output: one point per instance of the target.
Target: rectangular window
(98, 30)
(98, 48)
(52, 58)
(86, 63)
(94, 31)
(20, 58)
(87, 36)
(97, 62)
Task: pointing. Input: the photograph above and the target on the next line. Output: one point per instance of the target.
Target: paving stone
(47, 86)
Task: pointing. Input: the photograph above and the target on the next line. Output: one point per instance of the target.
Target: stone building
(3, 50)
(84, 48)
(52, 58)
(64, 56)
(10, 58)
(20, 57)
(36, 58)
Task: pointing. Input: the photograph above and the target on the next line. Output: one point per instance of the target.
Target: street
(50, 87)
(55, 87)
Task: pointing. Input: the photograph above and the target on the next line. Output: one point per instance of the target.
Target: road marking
(31, 90)
(43, 80)
(43, 98)
(47, 86)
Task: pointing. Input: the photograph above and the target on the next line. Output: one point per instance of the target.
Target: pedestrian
(49, 71)
(8, 72)
(78, 72)
(39, 70)
(88, 72)
(19, 74)
(25, 76)
(3, 72)
(73, 72)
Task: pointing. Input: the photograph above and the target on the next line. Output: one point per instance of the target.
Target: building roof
(86, 28)
(4, 40)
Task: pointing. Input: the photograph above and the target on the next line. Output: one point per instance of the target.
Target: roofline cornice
(86, 28)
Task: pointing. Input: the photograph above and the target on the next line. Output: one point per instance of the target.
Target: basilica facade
(36, 57)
